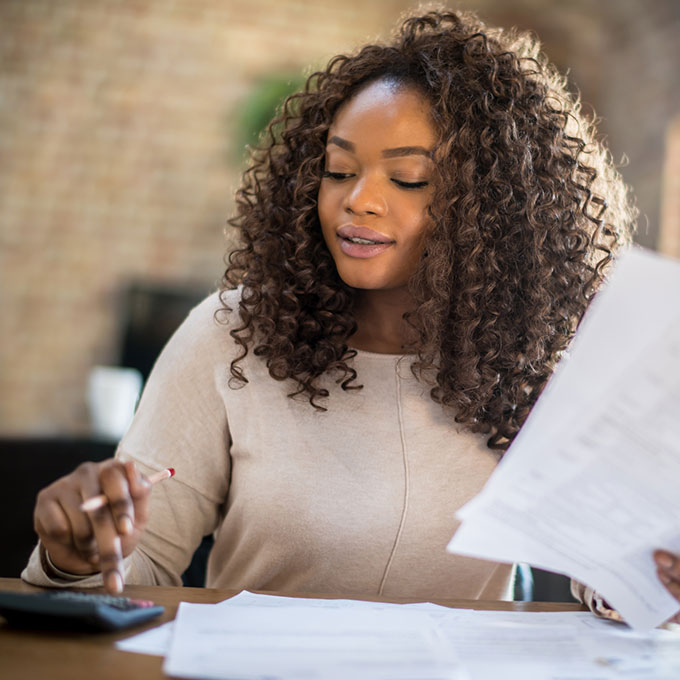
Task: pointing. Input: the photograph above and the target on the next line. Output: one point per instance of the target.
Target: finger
(82, 534)
(114, 485)
(109, 547)
(669, 563)
(88, 477)
(50, 522)
(60, 522)
(672, 585)
(610, 614)
(138, 483)
(55, 530)
(140, 491)
(109, 521)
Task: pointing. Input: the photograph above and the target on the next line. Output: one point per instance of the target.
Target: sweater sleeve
(181, 422)
(595, 602)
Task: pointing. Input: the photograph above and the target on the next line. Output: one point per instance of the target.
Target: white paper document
(591, 485)
(560, 646)
(307, 641)
(155, 641)
(282, 638)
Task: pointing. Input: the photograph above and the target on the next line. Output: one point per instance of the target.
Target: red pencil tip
(172, 472)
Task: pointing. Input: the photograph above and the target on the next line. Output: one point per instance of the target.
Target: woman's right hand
(81, 542)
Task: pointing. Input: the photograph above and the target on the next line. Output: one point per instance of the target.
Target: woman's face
(377, 186)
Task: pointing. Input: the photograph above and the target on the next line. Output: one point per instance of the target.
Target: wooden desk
(28, 655)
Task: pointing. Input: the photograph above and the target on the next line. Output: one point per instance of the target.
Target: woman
(420, 237)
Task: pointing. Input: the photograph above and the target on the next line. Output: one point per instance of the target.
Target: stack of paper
(590, 487)
(266, 637)
(279, 638)
(293, 638)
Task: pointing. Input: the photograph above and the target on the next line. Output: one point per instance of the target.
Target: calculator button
(143, 603)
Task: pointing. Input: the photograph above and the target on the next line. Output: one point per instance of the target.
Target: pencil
(97, 502)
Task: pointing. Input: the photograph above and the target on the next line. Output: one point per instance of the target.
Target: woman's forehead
(384, 110)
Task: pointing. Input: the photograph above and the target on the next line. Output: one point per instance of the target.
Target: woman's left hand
(668, 571)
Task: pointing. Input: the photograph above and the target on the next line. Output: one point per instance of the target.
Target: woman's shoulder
(219, 309)
(228, 298)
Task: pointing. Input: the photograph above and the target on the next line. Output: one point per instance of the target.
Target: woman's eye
(410, 185)
(337, 175)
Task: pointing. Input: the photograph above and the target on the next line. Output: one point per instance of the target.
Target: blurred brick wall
(115, 148)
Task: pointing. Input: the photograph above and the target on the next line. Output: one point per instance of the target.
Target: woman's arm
(181, 422)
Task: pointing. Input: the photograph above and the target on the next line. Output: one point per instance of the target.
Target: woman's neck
(380, 324)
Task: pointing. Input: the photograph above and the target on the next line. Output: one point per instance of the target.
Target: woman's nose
(366, 198)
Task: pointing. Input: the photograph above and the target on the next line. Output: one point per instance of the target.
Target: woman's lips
(352, 240)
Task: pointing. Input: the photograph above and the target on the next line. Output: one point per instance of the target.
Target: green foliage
(262, 105)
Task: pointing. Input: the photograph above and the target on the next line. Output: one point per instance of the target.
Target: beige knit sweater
(357, 500)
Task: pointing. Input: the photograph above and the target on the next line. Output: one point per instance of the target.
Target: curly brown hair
(527, 209)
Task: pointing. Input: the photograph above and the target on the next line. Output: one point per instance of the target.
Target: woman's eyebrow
(342, 143)
(406, 151)
(386, 153)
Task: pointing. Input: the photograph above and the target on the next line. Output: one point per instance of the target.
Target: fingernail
(664, 561)
(126, 525)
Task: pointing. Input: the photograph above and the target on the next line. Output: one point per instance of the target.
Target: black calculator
(74, 611)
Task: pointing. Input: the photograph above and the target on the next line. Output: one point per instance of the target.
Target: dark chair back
(27, 465)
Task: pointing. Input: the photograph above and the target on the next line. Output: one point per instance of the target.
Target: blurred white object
(112, 396)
